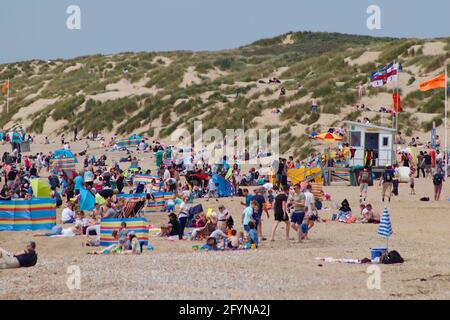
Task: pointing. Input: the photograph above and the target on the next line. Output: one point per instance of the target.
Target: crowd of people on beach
(266, 192)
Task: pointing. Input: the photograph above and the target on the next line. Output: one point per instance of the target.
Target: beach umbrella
(328, 136)
(385, 227)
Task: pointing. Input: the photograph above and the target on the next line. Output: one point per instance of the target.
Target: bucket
(377, 252)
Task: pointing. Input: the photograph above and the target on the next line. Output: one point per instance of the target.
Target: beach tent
(63, 160)
(99, 199)
(41, 189)
(87, 200)
(15, 137)
(27, 215)
(224, 188)
(63, 153)
(137, 225)
(132, 141)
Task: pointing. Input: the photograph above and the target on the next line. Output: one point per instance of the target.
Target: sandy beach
(276, 270)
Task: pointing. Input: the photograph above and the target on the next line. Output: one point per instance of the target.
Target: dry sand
(279, 270)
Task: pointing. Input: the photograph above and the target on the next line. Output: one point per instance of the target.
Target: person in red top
(27, 163)
(290, 164)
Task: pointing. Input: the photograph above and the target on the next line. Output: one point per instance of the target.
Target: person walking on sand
(281, 212)
(363, 180)
(438, 180)
(386, 183)
(314, 105)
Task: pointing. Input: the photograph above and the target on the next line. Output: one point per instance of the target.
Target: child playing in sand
(233, 240)
(114, 248)
(304, 230)
(253, 234)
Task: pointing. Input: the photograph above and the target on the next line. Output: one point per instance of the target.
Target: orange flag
(5, 87)
(436, 83)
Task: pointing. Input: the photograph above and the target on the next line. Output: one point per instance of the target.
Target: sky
(37, 29)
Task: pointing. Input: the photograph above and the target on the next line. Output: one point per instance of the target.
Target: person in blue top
(248, 197)
(253, 234)
(78, 184)
(248, 214)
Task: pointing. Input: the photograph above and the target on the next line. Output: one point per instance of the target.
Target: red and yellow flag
(5, 87)
(436, 83)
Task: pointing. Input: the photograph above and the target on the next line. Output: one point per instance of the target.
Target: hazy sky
(37, 28)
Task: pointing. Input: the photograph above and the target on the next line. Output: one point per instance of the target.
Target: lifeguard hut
(363, 137)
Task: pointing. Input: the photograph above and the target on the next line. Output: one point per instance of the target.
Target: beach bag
(391, 257)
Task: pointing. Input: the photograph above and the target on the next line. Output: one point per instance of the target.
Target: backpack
(437, 179)
(387, 176)
(391, 257)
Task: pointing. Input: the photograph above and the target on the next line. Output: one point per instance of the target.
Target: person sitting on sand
(233, 240)
(369, 215)
(114, 248)
(345, 207)
(24, 259)
(68, 215)
(211, 244)
(205, 232)
(172, 228)
(133, 244)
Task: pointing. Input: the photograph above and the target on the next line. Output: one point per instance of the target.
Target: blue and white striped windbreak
(385, 228)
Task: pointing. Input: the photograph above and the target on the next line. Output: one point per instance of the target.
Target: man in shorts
(281, 212)
(24, 259)
(387, 183)
(297, 199)
(363, 180)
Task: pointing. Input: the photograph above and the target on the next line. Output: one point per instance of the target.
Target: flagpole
(7, 97)
(446, 122)
(398, 97)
